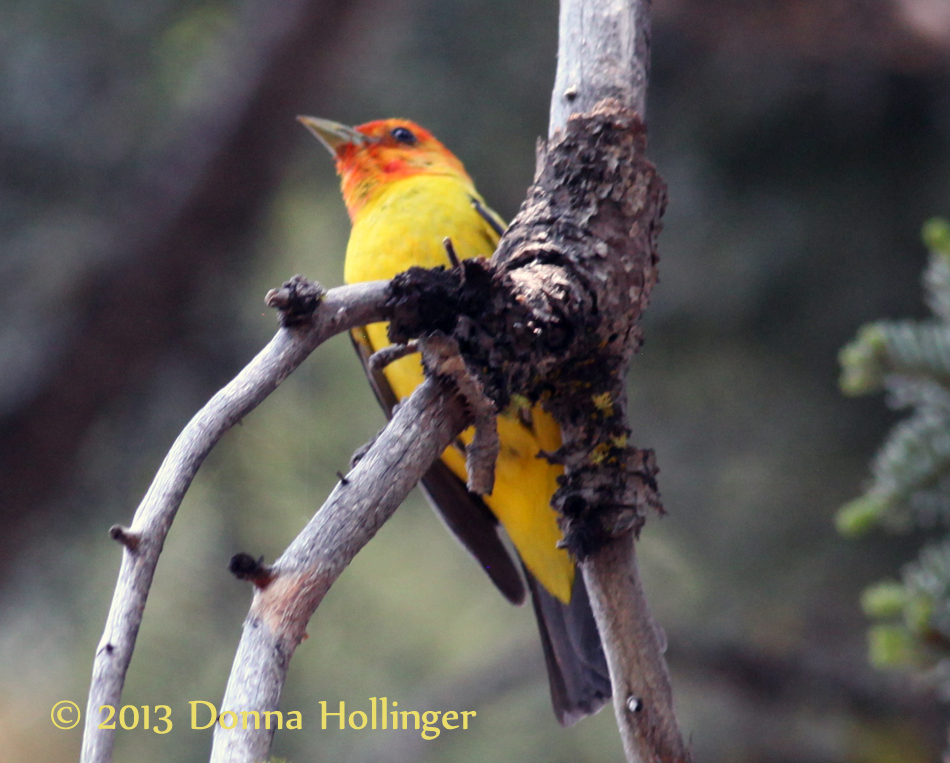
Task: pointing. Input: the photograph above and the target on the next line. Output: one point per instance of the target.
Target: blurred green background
(154, 185)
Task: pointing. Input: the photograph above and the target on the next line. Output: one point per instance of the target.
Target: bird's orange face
(375, 154)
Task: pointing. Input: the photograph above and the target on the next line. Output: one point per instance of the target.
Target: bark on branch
(421, 429)
(604, 56)
(553, 318)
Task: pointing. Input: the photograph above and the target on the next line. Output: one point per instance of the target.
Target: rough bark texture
(603, 68)
(553, 317)
(588, 231)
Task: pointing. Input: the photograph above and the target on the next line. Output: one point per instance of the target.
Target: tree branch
(603, 52)
(339, 310)
(419, 432)
(603, 57)
(554, 317)
(642, 694)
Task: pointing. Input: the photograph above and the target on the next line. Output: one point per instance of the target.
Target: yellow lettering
(194, 714)
(234, 719)
(294, 722)
(268, 714)
(405, 721)
(342, 713)
(429, 717)
(465, 714)
(446, 718)
(105, 724)
(166, 718)
(362, 725)
(244, 716)
(135, 717)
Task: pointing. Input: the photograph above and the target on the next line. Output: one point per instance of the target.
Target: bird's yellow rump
(405, 194)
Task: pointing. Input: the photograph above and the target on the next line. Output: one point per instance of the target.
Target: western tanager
(405, 193)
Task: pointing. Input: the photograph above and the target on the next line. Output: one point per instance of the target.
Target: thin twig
(390, 354)
(440, 354)
(450, 251)
(340, 309)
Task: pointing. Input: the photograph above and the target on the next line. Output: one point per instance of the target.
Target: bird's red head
(373, 155)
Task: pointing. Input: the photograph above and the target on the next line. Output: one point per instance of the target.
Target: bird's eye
(403, 135)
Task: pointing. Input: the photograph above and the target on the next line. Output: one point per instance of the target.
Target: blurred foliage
(911, 361)
(793, 174)
(910, 485)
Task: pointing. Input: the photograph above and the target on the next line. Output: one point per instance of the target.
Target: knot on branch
(296, 300)
(594, 209)
(423, 301)
(245, 567)
(512, 328)
(125, 536)
(599, 502)
(552, 313)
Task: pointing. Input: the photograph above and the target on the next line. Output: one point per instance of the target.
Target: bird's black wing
(490, 217)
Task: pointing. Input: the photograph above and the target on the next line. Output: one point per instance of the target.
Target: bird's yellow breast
(405, 225)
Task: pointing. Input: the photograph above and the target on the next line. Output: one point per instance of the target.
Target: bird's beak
(333, 135)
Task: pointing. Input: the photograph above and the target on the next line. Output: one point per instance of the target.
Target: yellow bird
(405, 193)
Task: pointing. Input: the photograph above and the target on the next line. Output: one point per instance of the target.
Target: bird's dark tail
(577, 667)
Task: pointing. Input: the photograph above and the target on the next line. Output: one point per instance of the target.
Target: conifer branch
(910, 484)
